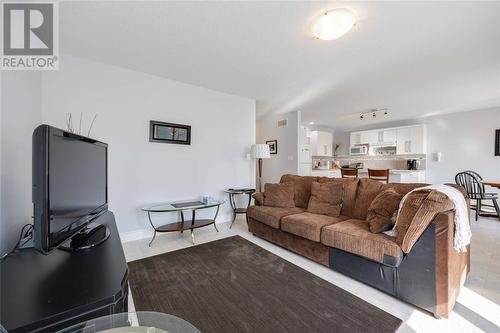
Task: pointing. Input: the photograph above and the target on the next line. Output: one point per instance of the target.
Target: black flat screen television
(69, 184)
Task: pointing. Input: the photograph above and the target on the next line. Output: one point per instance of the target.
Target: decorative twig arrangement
(69, 124)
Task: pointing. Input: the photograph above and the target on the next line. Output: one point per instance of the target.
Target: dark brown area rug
(233, 285)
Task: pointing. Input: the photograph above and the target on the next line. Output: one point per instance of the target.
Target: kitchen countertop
(393, 171)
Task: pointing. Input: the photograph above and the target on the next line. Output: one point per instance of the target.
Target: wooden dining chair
(381, 175)
(349, 172)
(471, 181)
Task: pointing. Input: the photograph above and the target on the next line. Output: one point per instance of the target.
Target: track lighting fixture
(374, 113)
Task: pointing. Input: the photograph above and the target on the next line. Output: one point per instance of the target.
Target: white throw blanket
(462, 233)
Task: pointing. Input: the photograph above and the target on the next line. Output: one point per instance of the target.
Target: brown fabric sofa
(429, 275)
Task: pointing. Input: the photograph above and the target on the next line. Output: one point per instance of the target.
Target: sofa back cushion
(368, 189)
(279, 195)
(382, 209)
(326, 199)
(350, 189)
(302, 188)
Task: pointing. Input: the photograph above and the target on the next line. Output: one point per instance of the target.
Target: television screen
(71, 176)
(77, 183)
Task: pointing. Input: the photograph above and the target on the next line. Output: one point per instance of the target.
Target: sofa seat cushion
(271, 215)
(354, 236)
(308, 225)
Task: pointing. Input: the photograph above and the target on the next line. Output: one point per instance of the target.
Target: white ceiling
(416, 58)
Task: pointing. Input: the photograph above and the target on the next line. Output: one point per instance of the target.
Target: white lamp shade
(333, 24)
(260, 150)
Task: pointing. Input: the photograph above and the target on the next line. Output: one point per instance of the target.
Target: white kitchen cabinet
(326, 173)
(371, 138)
(417, 176)
(411, 140)
(321, 143)
(403, 141)
(364, 137)
(355, 139)
(418, 140)
(387, 136)
(408, 139)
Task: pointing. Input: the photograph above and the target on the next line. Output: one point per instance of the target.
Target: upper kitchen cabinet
(321, 143)
(411, 140)
(374, 138)
(387, 137)
(407, 139)
(363, 137)
(355, 138)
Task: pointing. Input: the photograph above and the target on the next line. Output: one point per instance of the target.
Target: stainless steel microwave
(359, 150)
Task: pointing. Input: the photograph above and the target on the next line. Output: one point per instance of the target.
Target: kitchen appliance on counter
(359, 149)
(322, 164)
(412, 164)
(356, 165)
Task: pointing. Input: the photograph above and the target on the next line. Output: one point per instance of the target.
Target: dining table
(491, 183)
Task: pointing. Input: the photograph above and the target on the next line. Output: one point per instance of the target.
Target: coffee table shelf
(183, 224)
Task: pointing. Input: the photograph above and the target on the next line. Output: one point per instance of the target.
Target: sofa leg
(437, 316)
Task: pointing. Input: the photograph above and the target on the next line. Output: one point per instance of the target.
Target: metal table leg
(182, 221)
(215, 217)
(192, 224)
(233, 206)
(154, 228)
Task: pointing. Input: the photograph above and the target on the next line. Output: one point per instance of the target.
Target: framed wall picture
(273, 146)
(497, 142)
(169, 133)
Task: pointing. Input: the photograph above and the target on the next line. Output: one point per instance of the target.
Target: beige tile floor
(477, 308)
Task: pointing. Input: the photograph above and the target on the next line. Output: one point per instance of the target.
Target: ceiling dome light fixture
(333, 24)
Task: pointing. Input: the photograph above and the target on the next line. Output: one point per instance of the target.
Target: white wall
(21, 113)
(465, 139)
(140, 172)
(286, 161)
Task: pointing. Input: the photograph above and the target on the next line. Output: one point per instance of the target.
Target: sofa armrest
(451, 266)
(258, 198)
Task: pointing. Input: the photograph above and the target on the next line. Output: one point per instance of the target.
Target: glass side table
(236, 210)
(134, 322)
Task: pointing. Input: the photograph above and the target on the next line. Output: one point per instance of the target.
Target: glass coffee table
(183, 224)
(134, 322)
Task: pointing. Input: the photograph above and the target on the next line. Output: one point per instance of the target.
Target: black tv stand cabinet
(46, 293)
